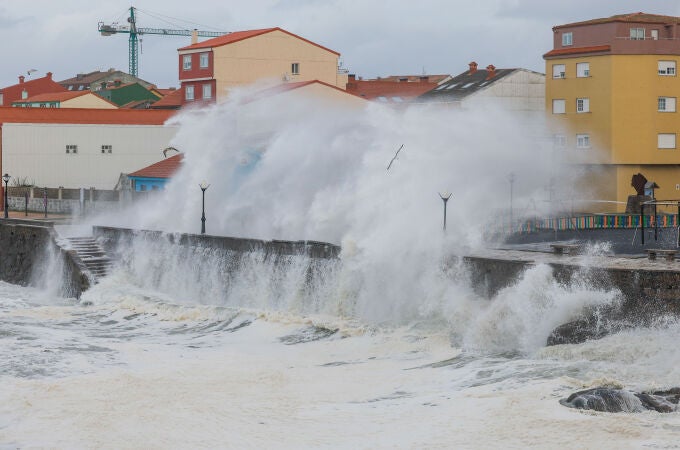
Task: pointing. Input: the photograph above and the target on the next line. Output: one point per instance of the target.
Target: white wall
(37, 152)
(522, 90)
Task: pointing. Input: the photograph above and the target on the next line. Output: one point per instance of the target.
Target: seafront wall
(657, 285)
(112, 238)
(30, 256)
(649, 293)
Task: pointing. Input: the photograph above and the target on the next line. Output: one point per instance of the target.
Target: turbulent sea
(128, 367)
(391, 348)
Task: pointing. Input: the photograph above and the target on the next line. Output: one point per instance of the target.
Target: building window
(567, 38)
(666, 104)
(43, 105)
(203, 60)
(582, 105)
(1, 99)
(560, 141)
(189, 93)
(637, 34)
(72, 149)
(207, 90)
(582, 141)
(24, 94)
(559, 71)
(107, 148)
(667, 68)
(666, 140)
(582, 70)
(655, 35)
(186, 62)
(295, 68)
(558, 106)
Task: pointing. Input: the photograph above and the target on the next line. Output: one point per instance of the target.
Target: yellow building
(207, 70)
(611, 92)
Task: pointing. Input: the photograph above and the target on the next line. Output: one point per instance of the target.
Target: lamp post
(445, 196)
(6, 178)
(511, 179)
(203, 187)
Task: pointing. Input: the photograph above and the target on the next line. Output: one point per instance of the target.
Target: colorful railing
(599, 221)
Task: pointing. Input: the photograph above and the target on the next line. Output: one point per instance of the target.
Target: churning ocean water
(391, 348)
(132, 367)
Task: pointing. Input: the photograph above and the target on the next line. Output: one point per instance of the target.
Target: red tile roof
(372, 89)
(414, 78)
(237, 36)
(82, 115)
(162, 169)
(577, 50)
(638, 17)
(55, 96)
(285, 87)
(32, 87)
(171, 101)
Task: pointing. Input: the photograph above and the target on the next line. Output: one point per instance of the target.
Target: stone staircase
(90, 256)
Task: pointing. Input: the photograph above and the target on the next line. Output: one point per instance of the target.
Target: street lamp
(511, 179)
(6, 178)
(445, 196)
(203, 187)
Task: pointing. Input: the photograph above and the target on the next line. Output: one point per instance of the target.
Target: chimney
(424, 78)
(491, 71)
(351, 82)
(49, 75)
(194, 36)
(473, 67)
(21, 79)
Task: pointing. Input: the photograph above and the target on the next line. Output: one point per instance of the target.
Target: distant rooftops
(394, 89)
(466, 83)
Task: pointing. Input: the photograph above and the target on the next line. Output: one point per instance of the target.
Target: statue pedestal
(634, 201)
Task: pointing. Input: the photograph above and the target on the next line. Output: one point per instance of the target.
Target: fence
(68, 201)
(596, 221)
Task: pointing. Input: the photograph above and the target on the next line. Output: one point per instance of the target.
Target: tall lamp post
(203, 187)
(6, 178)
(445, 196)
(511, 179)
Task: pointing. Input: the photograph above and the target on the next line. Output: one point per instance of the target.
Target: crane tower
(133, 30)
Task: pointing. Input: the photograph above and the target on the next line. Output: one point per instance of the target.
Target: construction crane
(134, 31)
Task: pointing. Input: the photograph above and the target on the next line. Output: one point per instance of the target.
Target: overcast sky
(375, 37)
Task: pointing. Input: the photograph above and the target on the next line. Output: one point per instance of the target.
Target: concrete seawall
(650, 290)
(30, 256)
(112, 237)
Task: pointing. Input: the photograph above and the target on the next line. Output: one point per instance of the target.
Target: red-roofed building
(77, 148)
(154, 177)
(25, 89)
(389, 91)
(208, 69)
(66, 99)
